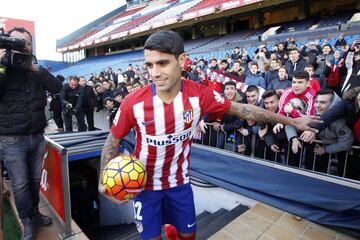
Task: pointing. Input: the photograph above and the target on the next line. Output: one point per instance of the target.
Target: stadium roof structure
(144, 19)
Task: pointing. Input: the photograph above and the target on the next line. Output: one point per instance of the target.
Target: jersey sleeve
(124, 120)
(212, 102)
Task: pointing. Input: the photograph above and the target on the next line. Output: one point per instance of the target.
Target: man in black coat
(22, 122)
(88, 102)
(71, 98)
(56, 109)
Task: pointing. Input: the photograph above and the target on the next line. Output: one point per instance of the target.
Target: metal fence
(344, 164)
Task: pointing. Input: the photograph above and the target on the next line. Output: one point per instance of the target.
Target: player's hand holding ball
(122, 178)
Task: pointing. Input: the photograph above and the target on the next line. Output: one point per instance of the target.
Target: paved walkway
(264, 222)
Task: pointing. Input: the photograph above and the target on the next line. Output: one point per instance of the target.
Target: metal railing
(331, 164)
(65, 183)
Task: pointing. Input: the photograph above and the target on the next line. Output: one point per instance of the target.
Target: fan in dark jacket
(56, 109)
(295, 62)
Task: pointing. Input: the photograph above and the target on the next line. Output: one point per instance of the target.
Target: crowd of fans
(288, 79)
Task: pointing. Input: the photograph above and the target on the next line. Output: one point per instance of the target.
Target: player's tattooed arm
(110, 150)
(247, 111)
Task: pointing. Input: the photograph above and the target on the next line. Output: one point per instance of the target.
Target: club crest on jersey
(188, 116)
(218, 97)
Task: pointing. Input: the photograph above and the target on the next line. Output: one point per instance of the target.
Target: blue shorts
(153, 209)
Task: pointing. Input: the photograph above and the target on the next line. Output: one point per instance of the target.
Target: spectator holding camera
(22, 123)
(71, 98)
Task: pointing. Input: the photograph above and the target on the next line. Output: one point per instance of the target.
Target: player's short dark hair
(252, 88)
(165, 41)
(301, 75)
(269, 93)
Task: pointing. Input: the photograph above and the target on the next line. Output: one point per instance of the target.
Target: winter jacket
(256, 80)
(271, 75)
(23, 99)
(292, 67)
(347, 108)
(307, 97)
(337, 136)
(279, 84)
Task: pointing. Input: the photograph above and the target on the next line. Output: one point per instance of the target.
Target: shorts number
(137, 210)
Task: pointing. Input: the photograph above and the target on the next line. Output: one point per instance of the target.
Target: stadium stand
(173, 12)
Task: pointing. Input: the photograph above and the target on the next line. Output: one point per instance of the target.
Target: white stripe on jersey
(309, 102)
(185, 164)
(138, 110)
(195, 103)
(159, 117)
(179, 127)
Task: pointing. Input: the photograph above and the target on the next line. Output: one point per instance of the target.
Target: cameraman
(22, 123)
(71, 98)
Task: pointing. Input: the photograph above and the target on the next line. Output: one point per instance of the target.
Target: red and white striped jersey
(164, 131)
(307, 98)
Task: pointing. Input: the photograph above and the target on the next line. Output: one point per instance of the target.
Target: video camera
(69, 108)
(14, 56)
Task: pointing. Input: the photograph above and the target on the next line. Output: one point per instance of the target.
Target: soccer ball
(124, 177)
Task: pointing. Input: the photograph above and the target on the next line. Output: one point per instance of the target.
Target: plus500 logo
(169, 139)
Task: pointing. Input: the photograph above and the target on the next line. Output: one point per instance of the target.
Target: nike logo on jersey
(191, 225)
(147, 123)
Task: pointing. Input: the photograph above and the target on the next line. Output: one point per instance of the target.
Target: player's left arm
(247, 111)
(109, 150)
